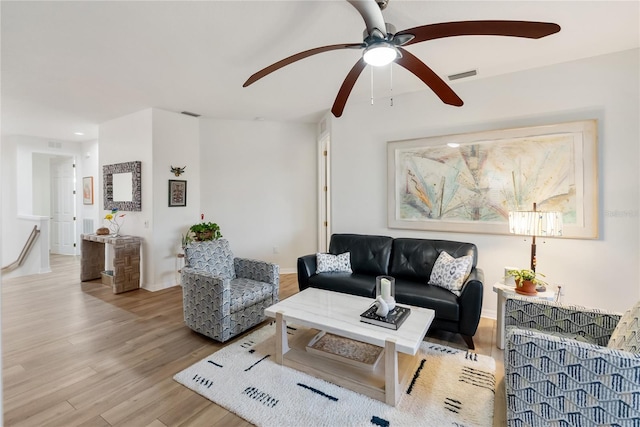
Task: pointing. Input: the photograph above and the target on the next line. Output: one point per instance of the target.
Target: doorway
(324, 193)
(63, 205)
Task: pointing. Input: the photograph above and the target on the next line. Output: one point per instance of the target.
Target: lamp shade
(536, 223)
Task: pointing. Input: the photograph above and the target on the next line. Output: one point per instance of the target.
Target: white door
(63, 221)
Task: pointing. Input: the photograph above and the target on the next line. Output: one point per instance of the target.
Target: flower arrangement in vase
(114, 225)
(526, 281)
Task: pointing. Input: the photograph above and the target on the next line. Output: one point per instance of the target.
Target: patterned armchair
(571, 366)
(224, 296)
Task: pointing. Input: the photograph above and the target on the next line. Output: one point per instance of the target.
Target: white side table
(503, 292)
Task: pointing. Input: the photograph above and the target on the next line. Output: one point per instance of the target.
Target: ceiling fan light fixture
(380, 54)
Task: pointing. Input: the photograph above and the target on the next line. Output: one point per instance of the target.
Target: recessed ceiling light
(78, 133)
(453, 144)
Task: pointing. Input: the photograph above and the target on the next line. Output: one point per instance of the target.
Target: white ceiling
(69, 66)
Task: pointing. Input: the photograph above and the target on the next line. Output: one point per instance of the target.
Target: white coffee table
(339, 314)
(503, 292)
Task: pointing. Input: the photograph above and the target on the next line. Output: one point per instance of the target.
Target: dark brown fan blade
(345, 89)
(297, 57)
(431, 79)
(528, 29)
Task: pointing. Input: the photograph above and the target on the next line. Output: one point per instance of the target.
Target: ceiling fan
(383, 45)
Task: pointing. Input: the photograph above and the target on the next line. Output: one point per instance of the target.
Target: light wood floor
(75, 354)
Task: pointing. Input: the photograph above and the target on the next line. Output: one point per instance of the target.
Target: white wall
(600, 273)
(158, 139)
(176, 143)
(91, 167)
(41, 195)
(128, 139)
(258, 182)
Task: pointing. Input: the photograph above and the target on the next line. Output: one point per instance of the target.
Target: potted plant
(205, 231)
(185, 239)
(526, 281)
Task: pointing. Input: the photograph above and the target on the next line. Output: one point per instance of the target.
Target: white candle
(385, 286)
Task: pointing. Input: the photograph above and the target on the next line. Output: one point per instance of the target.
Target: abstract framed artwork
(177, 193)
(469, 182)
(87, 190)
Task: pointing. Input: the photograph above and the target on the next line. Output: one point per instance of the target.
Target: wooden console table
(126, 260)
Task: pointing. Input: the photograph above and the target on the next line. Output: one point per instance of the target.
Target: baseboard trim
(489, 314)
(156, 287)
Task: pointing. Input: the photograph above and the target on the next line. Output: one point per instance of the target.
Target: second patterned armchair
(224, 296)
(571, 366)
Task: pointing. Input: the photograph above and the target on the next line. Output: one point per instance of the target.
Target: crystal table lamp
(535, 223)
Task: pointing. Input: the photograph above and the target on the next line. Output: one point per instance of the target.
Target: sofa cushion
(442, 301)
(355, 284)
(450, 273)
(413, 259)
(369, 254)
(626, 335)
(213, 256)
(326, 263)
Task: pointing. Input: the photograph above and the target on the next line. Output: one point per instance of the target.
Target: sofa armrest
(551, 380)
(200, 288)
(470, 300)
(306, 268)
(593, 324)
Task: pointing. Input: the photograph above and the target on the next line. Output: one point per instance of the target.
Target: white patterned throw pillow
(333, 263)
(450, 273)
(626, 336)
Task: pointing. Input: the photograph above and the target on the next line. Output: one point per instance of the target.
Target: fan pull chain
(371, 68)
(391, 84)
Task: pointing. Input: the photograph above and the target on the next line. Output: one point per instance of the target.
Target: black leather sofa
(410, 262)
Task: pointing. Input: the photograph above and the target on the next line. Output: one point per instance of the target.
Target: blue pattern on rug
(443, 349)
(335, 399)
(202, 381)
(249, 368)
(247, 344)
(377, 421)
(261, 397)
(452, 405)
(478, 378)
(415, 376)
(471, 356)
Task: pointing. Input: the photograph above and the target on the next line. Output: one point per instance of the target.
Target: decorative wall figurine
(178, 171)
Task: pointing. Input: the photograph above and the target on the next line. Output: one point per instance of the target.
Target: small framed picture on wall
(177, 193)
(87, 190)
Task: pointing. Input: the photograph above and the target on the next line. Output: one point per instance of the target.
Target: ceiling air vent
(462, 75)
(188, 113)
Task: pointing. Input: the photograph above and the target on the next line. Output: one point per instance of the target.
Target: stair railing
(25, 251)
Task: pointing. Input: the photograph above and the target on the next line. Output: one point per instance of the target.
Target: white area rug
(450, 388)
